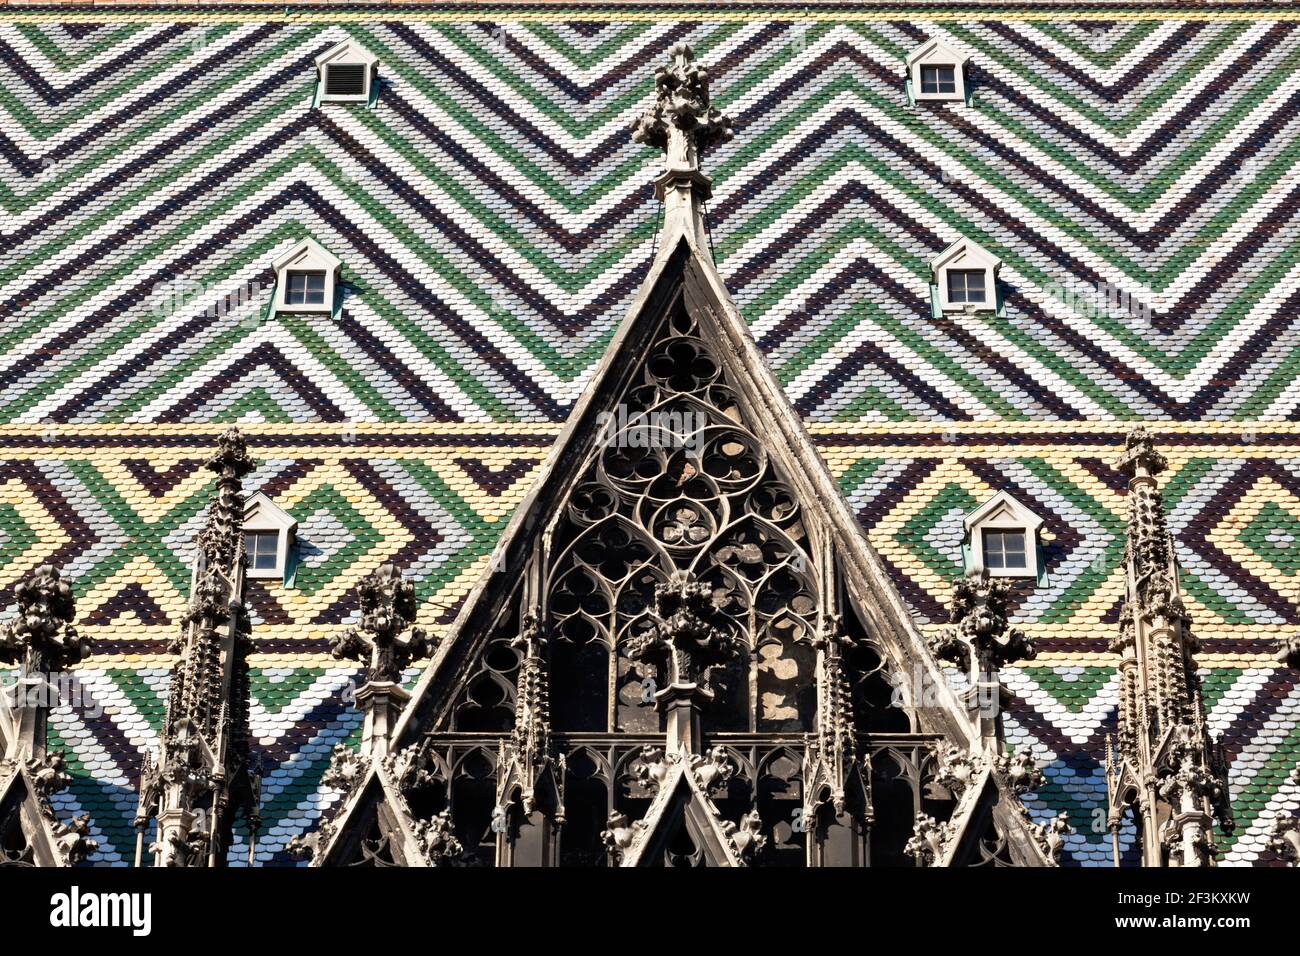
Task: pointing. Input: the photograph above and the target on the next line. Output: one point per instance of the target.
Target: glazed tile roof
(494, 219)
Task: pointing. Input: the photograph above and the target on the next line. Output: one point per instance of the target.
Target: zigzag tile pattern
(494, 218)
(118, 505)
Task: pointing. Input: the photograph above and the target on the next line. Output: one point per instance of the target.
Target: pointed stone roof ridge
(357, 802)
(683, 265)
(680, 787)
(18, 787)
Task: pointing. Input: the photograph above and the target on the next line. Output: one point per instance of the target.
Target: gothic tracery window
(679, 483)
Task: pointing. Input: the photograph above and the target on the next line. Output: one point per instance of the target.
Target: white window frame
(935, 52)
(306, 256)
(347, 53)
(1003, 513)
(965, 255)
(263, 516)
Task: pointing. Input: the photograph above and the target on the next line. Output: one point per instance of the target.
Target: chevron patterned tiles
(493, 220)
(493, 217)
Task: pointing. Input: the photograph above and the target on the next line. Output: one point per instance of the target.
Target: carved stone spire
(202, 777)
(386, 642)
(40, 639)
(836, 805)
(980, 640)
(688, 635)
(1163, 764)
(683, 122)
(530, 795)
(530, 739)
(834, 741)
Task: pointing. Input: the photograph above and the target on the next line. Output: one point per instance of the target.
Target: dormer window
(346, 73)
(966, 287)
(936, 72)
(305, 279)
(938, 79)
(268, 537)
(1001, 536)
(305, 288)
(964, 278)
(1004, 550)
(263, 550)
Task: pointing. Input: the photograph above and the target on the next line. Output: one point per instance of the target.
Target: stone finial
(385, 640)
(682, 103)
(219, 539)
(929, 840)
(437, 840)
(41, 637)
(1051, 836)
(231, 457)
(686, 622)
(978, 616)
(1140, 453)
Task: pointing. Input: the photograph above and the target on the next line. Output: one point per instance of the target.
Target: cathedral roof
(1133, 175)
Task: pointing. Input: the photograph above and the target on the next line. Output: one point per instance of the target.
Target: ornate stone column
(1162, 763)
(201, 776)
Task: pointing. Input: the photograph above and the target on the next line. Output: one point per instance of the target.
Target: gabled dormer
(346, 73)
(936, 73)
(306, 279)
(964, 278)
(1001, 536)
(268, 537)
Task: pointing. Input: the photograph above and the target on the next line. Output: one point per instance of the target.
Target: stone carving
(346, 770)
(747, 839)
(1288, 651)
(619, 835)
(385, 640)
(74, 840)
(306, 846)
(832, 761)
(688, 626)
(1148, 547)
(437, 842)
(1051, 836)
(929, 840)
(957, 767)
(712, 772)
(204, 759)
(1162, 761)
(49, 775)
(654, 766)
(40, 638)
(682, 104)
(979, 638)
(1284, 839)
(1020, 771)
